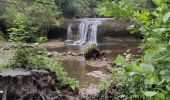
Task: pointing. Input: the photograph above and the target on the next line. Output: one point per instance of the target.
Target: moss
(92, 52)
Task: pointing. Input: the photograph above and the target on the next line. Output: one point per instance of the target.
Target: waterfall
(87, 31)
(69, 33)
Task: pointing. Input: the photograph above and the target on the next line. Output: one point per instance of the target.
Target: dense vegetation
(148, 76)
(78, 8)
(143, 78)
(28, 59)
(26, 21)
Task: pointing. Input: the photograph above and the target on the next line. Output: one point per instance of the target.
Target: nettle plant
(149, 76)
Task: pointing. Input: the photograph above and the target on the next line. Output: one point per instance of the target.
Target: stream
(88, 75)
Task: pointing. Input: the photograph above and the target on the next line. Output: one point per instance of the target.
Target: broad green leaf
(166, 17)
(149, 93)
(128, 68)
(138, 69)
(168, 87)
(161, 96)
(148, 57)
(133, 73)
(158, 2)
(151, 80)
(147, 68)
(119, 60)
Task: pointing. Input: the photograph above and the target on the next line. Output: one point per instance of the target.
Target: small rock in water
(49, 54)
(106, 51)
(89, 93)
(64, 53)
(69, 53)
(60, 54)
(104, 59)
(97, 74)
(73, 54)
(56, 53)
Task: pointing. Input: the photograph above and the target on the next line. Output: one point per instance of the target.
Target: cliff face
(108, 27)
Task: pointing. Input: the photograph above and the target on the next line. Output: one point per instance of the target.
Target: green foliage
(78, 8)
(41, 39)
(28, 20)
(148, 77)
(120, 9)
(2, 67)
(28, 59)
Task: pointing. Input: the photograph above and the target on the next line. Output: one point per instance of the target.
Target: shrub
(41, 39)
(28, 20)
(120, 9)
(147, 77)
(26, 58)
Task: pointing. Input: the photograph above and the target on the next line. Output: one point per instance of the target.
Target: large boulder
(30, 85)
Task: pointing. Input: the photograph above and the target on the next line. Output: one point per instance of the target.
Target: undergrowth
(146, 77)
(28, 59)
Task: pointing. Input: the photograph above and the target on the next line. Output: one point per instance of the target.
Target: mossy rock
(92, 52)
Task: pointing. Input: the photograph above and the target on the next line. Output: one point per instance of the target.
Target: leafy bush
(28, 20)
(120, 9)
(41, 39)
(78, 8)
(28, 59)
(148, 77)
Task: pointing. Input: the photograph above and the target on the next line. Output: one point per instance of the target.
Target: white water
(87, 31)
(69, 32)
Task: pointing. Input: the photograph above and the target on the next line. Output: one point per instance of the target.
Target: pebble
(49, 54)
(73, 54)
(69, 53)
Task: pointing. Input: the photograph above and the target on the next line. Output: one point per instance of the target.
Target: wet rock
(64, 53)
(91, 52)
(69, 53)
(97, 74)
(31, 85)
(99, 63)
(89, 93)
(108, 27)
(73, 54)
(106, 51)
(105, 59)
(60, 54)
(56, 53)
(49, 54)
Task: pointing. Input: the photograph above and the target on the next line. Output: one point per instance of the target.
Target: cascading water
(87, 31)
(69, 33)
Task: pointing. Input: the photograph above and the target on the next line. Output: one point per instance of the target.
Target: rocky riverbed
(89, 73)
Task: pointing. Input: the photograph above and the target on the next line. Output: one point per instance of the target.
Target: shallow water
(78, 69)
